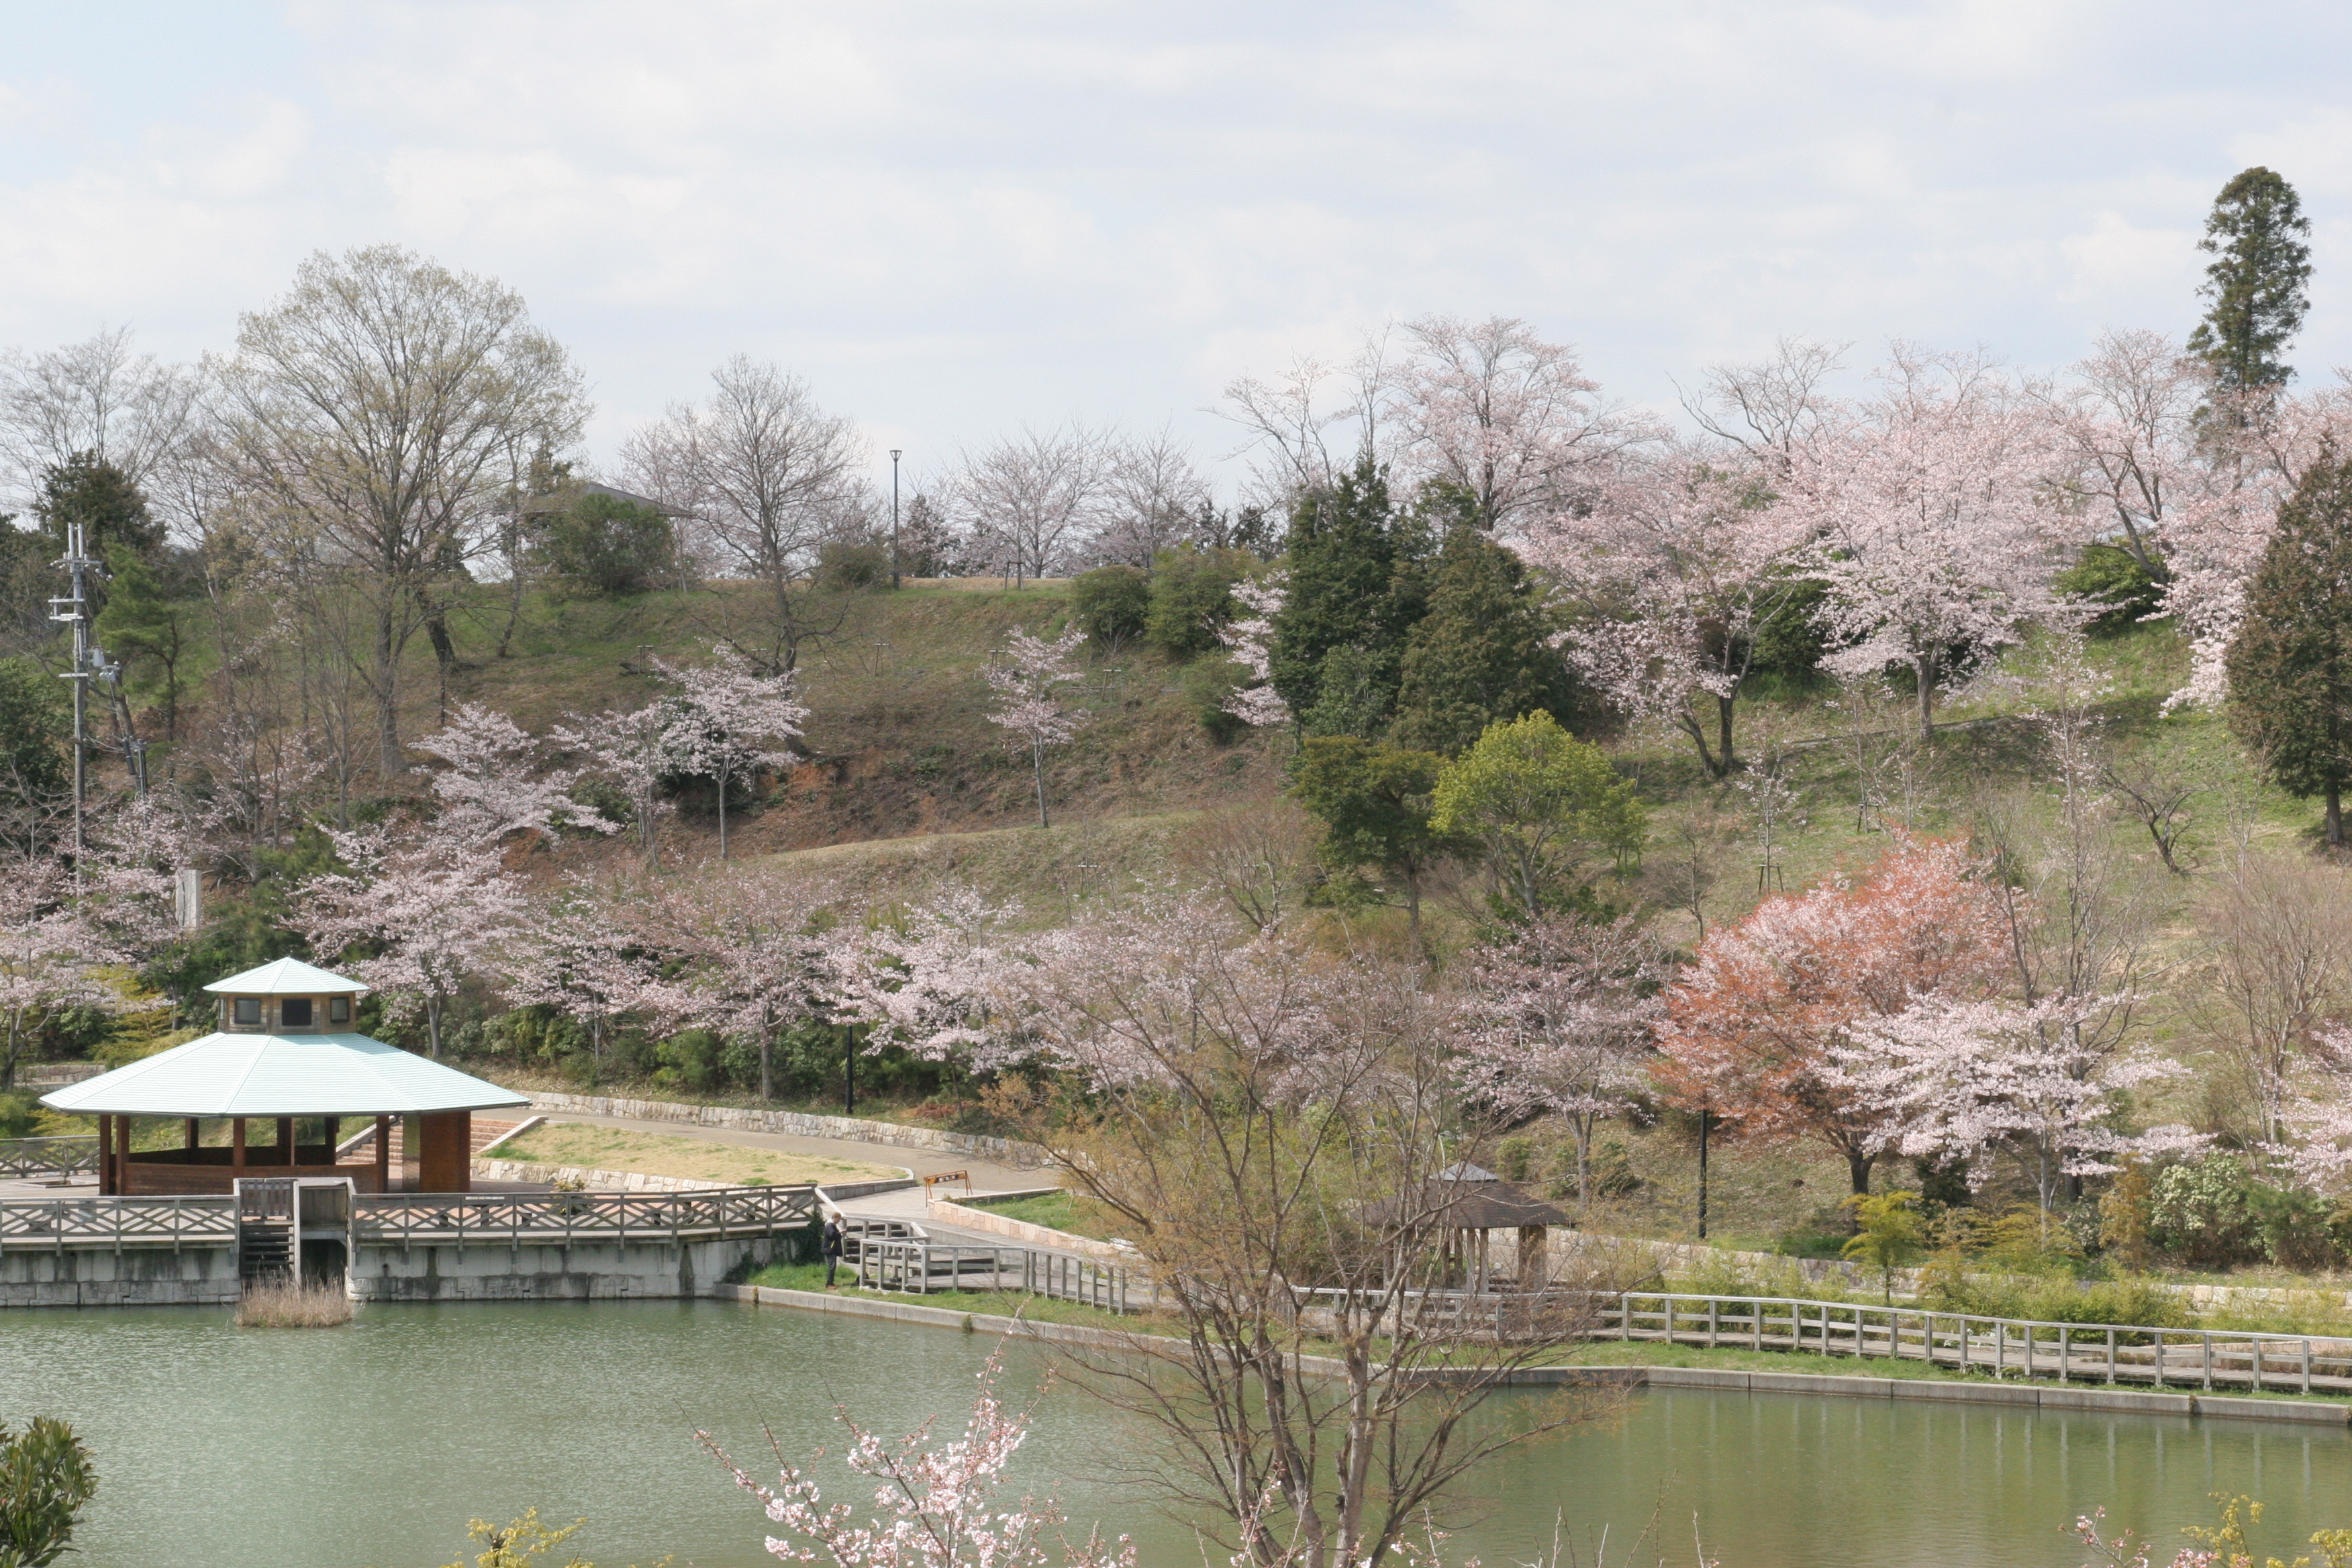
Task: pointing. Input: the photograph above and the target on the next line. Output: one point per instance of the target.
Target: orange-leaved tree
(1748, 1027)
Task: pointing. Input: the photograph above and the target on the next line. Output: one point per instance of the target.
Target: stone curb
(800, 1124)
(2111, 1401)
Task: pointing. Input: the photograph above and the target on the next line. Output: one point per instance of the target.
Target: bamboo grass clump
(285, 1303)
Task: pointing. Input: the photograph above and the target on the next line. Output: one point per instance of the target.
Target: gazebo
(1469, 1203)
(284, 1053)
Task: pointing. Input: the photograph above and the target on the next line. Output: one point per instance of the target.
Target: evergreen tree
(2258, 284)
(149, 618)
(1373, 800)
(1480, 654)
(88, 489)
(33, 733)
(2290, 667)
(1356, 590)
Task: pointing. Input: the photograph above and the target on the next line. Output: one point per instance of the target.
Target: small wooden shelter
(1471, 1204)
(285, 1053)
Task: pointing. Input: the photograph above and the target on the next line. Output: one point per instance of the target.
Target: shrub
(2112, 576)
(2201, 1211)
(1111, 605)
(604, 546)
(1206, 684)
(1192, 599)
(20, 1115)
(853, 563)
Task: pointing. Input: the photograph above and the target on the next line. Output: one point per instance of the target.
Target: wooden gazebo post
(236, 1147)
(384, 1154)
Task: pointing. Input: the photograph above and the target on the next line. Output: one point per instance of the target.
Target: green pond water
(373, 1444)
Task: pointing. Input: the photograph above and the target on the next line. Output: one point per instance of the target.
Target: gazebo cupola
(285, 1055)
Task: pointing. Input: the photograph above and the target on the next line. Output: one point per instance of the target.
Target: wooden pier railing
(461, 1219)
(58, 1224)
(922, 1266)
(37, 1157)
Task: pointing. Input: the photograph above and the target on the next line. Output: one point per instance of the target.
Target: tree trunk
(1857, 1170)
(433, 1022)
(387, 697)
(1723, 732)
(1923, 669)
(2335, 817)
(1037, 760)
(722, 854)
(766, 1060)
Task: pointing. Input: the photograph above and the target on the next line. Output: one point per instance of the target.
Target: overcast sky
(954, 218)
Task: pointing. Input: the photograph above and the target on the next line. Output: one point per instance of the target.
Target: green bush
(1206, 684)
(603, 547)
(2114, 577)
(849, 563)
(1192, 599)
(2201, 1211)
(19, 1115)
(1111, 605)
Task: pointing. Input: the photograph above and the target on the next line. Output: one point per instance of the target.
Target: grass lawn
(1063, 1211)
(591, 1147)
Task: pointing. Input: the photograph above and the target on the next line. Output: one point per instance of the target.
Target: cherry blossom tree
(2127, 420)
(636, 751)
(581, 953)
(1953, 1078)
(411, 920)
(1288, 422)
(745, 958)
(490, 787)
(1151, 499)
(1749, 1026)
(1511, 420)
(730, 720)
(1250, 635)
(1027, 700)
(1929, 511)
(937, 1500)
(1033, 502)
(1772, 409)
(1668, 571)
(1555, 1019)
(51, 959)
(925, 976)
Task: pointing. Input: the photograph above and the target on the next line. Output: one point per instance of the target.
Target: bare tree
(2281, 964)
(1774, 408)
(1288, 422)
(1153, 500)
(371, 416)
(1033, 503)
(1258, 852)
(765, 474)
(98, 396)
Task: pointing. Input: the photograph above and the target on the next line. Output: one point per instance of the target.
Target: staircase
(264, 1229)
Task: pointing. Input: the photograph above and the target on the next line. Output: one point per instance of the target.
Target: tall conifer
(2258, 284)
(2289, 666)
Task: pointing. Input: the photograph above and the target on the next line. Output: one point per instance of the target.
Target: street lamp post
(894, 516)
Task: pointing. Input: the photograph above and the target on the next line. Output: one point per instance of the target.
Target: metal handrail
(2025, 1347)
(62, 1156)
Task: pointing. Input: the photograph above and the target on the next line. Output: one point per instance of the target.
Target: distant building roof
(285, 977)
(557, 499)
(277, 1075)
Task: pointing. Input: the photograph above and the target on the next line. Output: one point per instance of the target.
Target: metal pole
(76, 614)
(894, 516)
(1704, 1117)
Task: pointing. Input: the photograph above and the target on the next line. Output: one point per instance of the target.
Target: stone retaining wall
(801, 1124)
(97, 1275)
(600, 1180)
(971, 1218)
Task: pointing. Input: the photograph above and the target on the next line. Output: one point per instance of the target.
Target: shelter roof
(1471, 1203)
(257, 1075)
(285, 977)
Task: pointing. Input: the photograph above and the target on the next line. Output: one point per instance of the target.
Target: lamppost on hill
(894, 516)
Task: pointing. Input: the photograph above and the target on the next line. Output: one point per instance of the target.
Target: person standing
(832, 1248)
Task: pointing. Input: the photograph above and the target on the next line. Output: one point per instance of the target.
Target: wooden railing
(61, 1223)
(2022, 1347)
(922, 1266)
(513, 1219)
(31, 1157)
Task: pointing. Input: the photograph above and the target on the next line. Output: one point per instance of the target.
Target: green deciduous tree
(46, 1478)
(1374, 802)
(1542, 806)
(2289, 666)
(1193, 597)
(2257, 288)
(1111, 605)
(1480, 653)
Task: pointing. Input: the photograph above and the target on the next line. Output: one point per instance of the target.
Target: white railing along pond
(36, 1157)
(59, 1223)
(2023, 1347)
(922, 1266)
(435, 1219)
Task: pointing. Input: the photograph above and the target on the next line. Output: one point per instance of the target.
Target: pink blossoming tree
(1027, 684)
(730, 720)
(1250, 635)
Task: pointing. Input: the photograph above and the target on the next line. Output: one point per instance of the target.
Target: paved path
(986, 1175)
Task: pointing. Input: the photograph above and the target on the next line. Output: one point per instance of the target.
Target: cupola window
(295, 1012)
(339, 1009)
(249, 1010)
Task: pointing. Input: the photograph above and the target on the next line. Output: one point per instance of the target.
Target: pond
(372, 1445)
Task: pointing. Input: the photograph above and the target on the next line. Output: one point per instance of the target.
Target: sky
(954, 219)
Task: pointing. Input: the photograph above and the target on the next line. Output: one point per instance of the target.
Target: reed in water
(284, 1303)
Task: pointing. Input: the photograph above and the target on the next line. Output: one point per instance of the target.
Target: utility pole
(894, 516)
(74, 611)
